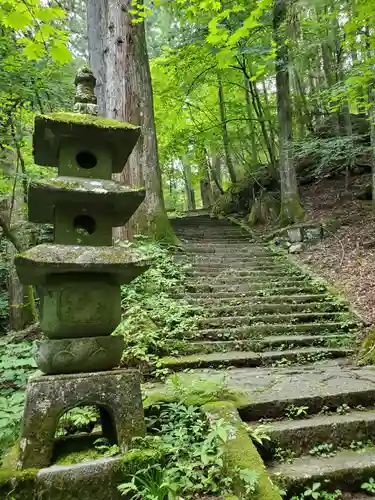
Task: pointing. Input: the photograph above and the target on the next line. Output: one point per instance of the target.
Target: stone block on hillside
(117, 394)
(295, 234)
(313, 233)
(296, 248)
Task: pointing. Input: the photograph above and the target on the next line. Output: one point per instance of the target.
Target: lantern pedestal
(116, 393)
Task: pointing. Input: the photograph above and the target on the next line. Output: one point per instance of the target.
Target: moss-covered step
(225, 250)
(290, 318)
(255, 274)
(250, 358)
(266, 343)
(340, 431)
(251, 289)
(230, 299)
(35, 265)
(235, 267)
(246, 308)
(346, 470)
(257, 331)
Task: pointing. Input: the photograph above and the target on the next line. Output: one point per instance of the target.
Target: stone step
(266, 343)
(256, 331)
(236, 268)
(228, 260)
(227, 241)
(220, 299)
(256, 288)
(228, 246)
(250, 358)
(347, 470)
(256, 280)
(247, 308)
(246, 273)
(291, 318)
(219, 291)
(225, 251)
(300, 436)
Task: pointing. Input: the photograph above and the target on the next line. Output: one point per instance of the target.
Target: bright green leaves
(60, 52)
(139, 11)
(36, 29)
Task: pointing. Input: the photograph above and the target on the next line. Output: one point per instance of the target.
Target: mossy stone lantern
(80, 274)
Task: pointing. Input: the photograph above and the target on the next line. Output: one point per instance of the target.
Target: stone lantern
(79, 276)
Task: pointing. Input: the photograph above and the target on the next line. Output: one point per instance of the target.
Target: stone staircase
(286, 342)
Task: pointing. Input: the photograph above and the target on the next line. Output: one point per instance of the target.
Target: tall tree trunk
(215, 170)
(371, 115)
(291, 209)
(224, 130)
(254, 153)
(206, 193)
(119, 60)
(190, 194)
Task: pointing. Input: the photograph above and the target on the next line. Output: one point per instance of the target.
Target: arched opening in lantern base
(83, 433)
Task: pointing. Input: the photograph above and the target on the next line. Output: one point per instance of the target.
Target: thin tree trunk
(206, 193)
(291, 209)
(257, 106)
(254, 153)
(119, 60)
(371, 116)
(224, 130)
(268, 115)
(215, 170)
(190, 195)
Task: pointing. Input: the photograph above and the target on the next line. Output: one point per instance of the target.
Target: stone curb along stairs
(266, 320)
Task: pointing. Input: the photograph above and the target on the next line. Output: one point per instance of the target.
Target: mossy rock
(367, 349)
(18, 485)
(240, 453)
(240, 196)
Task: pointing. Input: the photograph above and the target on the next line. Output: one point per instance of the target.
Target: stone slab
(271, 390)
(347, 469)
(96, 479)
(338, 430)
(79, 355)
(35, 265)
(119, 202)
(116, 393)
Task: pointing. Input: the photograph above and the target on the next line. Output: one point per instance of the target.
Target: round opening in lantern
(84, 224)
(87, 160)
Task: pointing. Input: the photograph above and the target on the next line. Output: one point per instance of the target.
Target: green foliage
(192, 464)
(106, 448)
(323, 450)
(259, 434)
(153, 321)
(315, 492)
(16, 365)
(4, 273)
(295, 412)
(284, 455)
(79, 419)
(369, 486)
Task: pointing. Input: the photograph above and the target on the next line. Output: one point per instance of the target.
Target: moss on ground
(367, 349)
(241, 453)
(18, 485)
